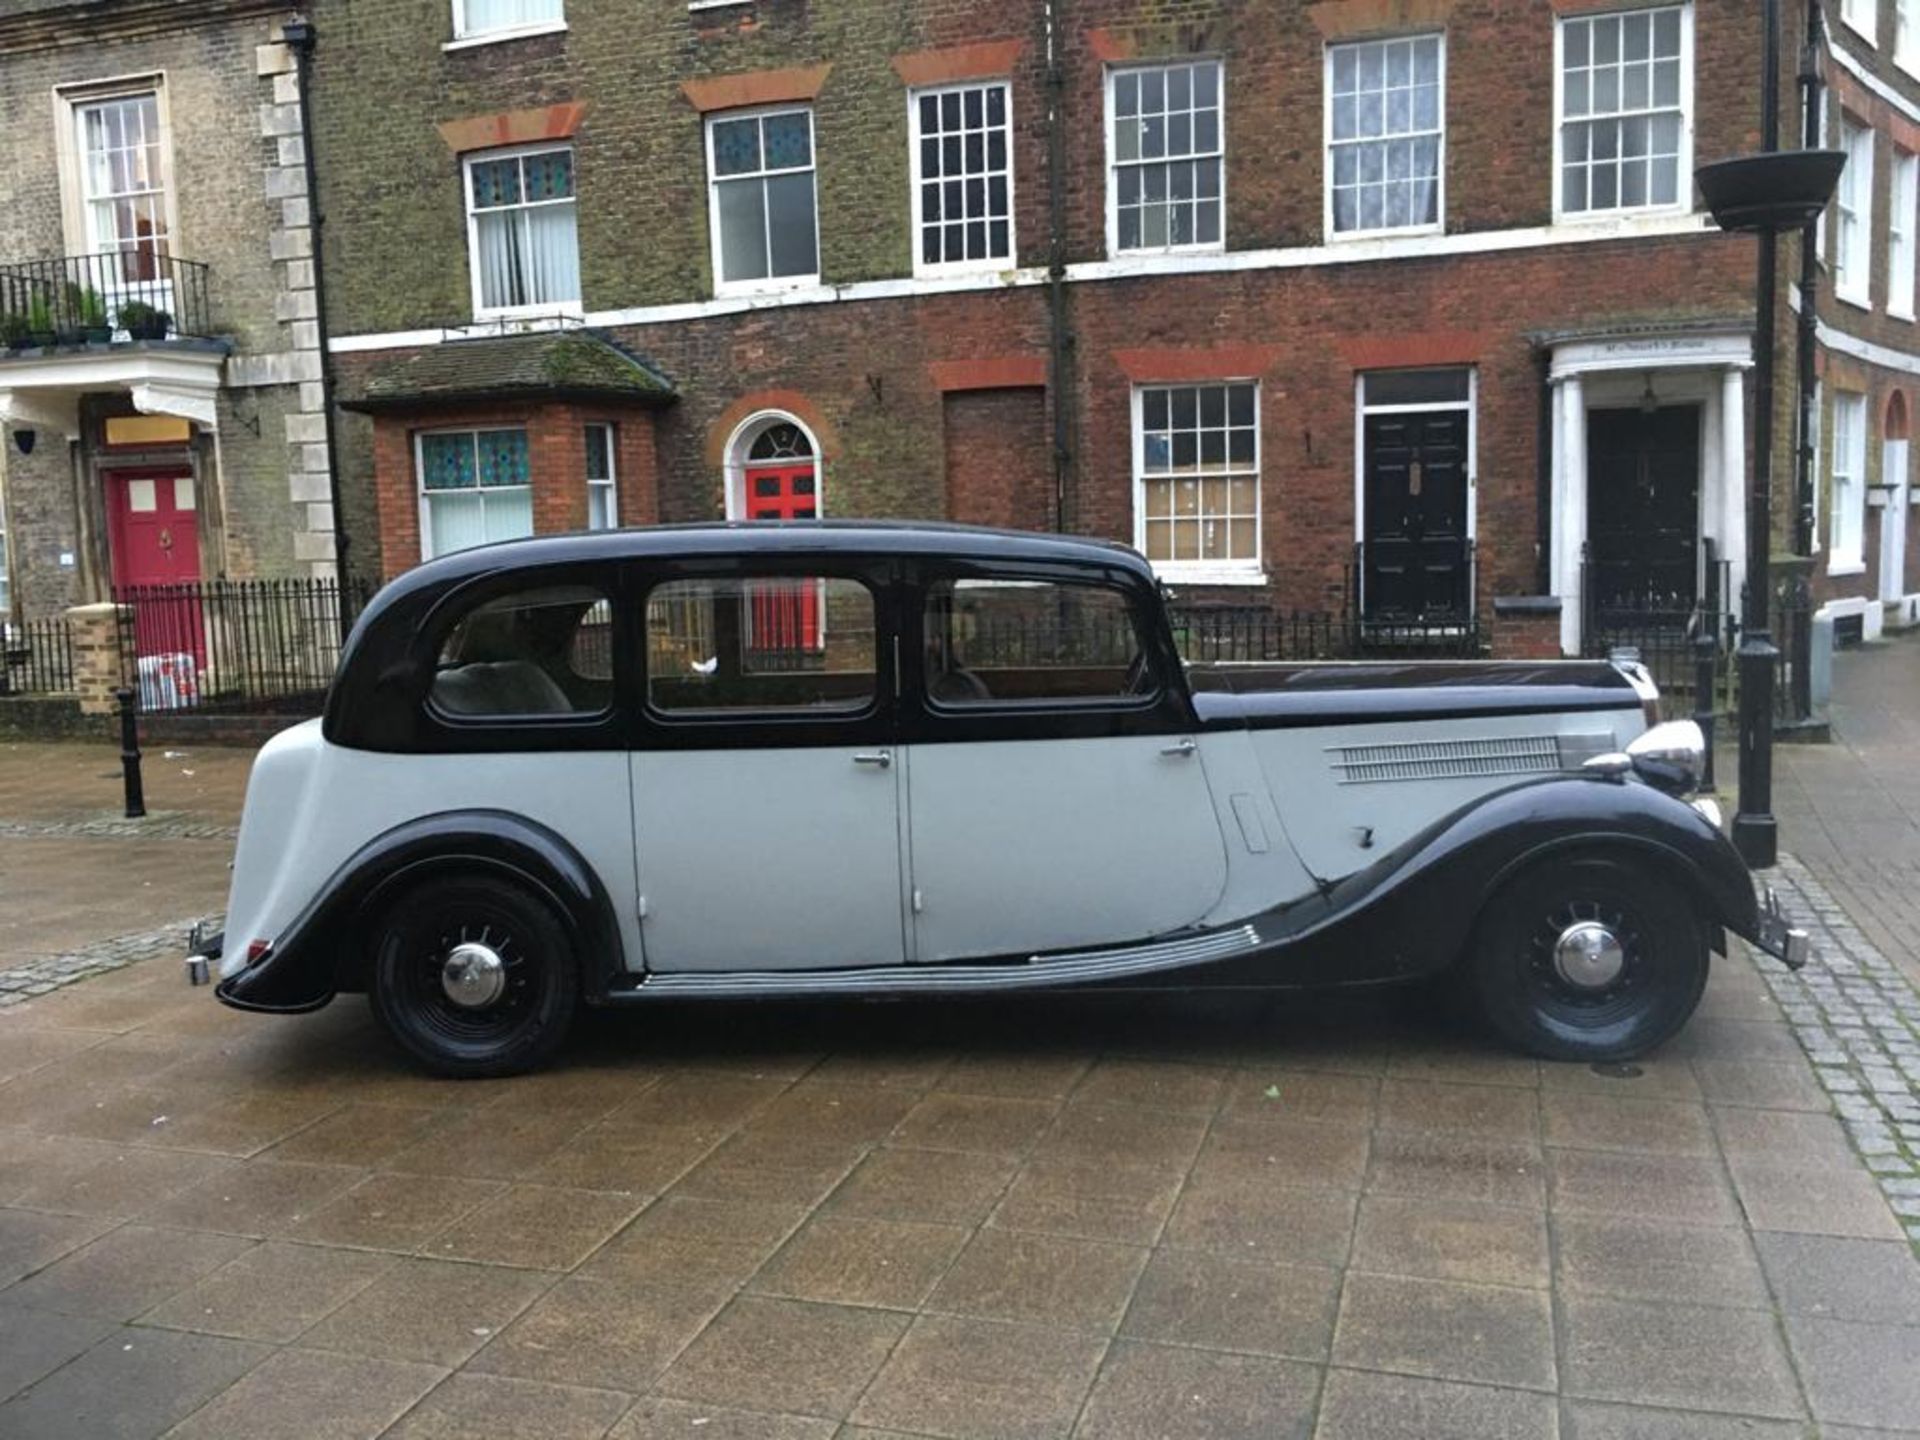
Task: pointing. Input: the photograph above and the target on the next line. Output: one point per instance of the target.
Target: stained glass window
(525, 231)
(764, 223)
(475, 488)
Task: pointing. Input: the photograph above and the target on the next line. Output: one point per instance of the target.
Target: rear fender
(324, 950)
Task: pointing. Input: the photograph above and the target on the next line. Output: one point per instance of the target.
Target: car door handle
(882, 758)
(1183, 748)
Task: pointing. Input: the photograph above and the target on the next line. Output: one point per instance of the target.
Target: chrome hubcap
(473, 975)
(1589, 956)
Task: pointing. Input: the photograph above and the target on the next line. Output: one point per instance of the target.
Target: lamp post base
(1755, 832)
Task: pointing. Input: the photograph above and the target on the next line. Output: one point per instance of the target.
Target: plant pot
(98, 334)
(154, 329)
(69, 336)
(1779, 191)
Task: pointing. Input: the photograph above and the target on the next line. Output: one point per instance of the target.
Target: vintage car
(815, 759)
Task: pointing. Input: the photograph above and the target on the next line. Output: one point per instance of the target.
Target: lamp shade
(1778, 191)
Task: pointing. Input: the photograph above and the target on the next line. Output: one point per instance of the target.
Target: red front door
(154, 535)
(784, 617)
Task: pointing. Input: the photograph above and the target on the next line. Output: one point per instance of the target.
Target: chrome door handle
(882, 758)
(1183, 748)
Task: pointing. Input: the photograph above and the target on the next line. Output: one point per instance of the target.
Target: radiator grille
(1446, 759)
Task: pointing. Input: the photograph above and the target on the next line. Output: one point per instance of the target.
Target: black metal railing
(112, 298)
(1249, 633)
(1685, 634)
(1445, 595)
(234, 645)
(1791, 620)
(36, 657)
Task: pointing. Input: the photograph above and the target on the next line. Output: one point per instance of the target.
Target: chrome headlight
(1670, 756)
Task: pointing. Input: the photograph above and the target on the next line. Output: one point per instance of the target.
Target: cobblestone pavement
(22, 980)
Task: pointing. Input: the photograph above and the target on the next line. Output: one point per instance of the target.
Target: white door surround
(1893, 519)
(1706, 368)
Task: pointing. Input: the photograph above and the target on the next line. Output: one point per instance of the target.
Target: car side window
(993, 642)
(789, 643)
(527, 654)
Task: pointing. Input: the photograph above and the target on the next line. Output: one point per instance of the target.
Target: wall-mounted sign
(148, 430)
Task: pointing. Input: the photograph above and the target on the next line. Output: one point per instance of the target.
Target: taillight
(258, 950)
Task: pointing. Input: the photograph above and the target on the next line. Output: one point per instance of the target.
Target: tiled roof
(574, 364)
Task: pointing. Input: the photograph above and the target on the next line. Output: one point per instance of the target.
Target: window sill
(572, 310)
(1188, 573)
(714, 4)
(1853, 298)
(1600, 218)
(786, 284)
(1114, 252)
(1868, 32)
(501, 37)
(1906, 315)
(1007, 266)
(1838, 566)
(1389, 232)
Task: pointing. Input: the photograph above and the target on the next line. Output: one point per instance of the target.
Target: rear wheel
(474, 977)
(1593, 957)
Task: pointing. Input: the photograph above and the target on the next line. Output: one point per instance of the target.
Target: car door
(765, 790)
(1056, 797)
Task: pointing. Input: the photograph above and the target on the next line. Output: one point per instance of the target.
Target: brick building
(160, 382)
(1404, 299)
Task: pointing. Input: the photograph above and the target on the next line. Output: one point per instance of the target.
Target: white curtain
(457, 519)
(553, 255)
(485, 15)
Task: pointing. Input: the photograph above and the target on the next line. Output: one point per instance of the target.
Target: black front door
(1643, 510)
(1413, 564)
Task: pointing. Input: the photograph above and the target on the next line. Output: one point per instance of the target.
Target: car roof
(777, 537)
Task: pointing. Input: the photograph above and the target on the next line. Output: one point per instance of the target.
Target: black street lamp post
(1765, 193)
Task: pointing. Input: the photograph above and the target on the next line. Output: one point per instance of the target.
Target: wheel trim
(492, 1010)
(1588, 963)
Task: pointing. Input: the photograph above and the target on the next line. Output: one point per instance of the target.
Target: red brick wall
(999, 469)
(557, 465)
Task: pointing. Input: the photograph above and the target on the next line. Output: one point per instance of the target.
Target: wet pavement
(1089, 1217)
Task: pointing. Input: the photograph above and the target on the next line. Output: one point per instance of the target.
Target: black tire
(1526, 998)
(518, 1031)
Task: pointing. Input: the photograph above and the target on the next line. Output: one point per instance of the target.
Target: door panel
(1416, 564)
(153, 528)
(767, 859)
(1643, 508)
(1025, 845)
(1893, 521)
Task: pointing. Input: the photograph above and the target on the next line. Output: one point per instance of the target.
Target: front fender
(1412, 912)
(318, 953)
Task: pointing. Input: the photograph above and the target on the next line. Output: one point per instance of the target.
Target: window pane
(521, 654)
(789, 141)
(482, 16)
(447, 462)
(503, 458)
(743, 230)
(495, 182)
(736, 147)
(1418, 387)
(599, 452)
(786, 644)
(454, 522)
(997, 643)
(791, 226)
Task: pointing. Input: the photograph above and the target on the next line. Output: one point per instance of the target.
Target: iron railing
(112, 298)
(234, 645)
(36, 657)
(1448, 599)
(1243, 633)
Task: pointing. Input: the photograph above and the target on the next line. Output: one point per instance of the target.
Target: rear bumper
(1786, 943)
(203, 952)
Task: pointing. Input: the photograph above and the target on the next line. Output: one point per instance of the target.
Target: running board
(1037, 972)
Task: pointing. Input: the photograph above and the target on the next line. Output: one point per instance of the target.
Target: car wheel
(474, 977)
(1592, 957)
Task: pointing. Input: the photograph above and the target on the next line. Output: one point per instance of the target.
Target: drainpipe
(1804, 459)
(1543, 478)
(1060, 338)
(299, 36)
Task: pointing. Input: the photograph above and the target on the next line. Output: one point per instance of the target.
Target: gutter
(299, 36)
(1060, 339)
(1809, 327)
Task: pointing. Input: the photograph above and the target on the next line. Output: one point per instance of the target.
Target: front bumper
(1786, 943)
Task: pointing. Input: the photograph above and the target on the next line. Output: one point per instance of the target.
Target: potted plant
(16, 331)
(142, 321)
(96, 328)
(40, 321)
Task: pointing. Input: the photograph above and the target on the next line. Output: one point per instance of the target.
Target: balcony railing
(108, 299)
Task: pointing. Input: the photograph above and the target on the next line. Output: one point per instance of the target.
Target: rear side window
(771, 644)
(528, 654)
(992, 642)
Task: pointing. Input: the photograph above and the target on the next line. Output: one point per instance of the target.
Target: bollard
(1705, 652)
(130, 752)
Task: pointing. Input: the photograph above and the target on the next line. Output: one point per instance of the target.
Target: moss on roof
(574, 363)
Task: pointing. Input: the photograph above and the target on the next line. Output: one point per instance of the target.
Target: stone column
(1569, 505)
(1733, 481)
(95, 632)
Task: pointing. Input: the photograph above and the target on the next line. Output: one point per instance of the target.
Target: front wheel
(474, 977)
(1592, 957)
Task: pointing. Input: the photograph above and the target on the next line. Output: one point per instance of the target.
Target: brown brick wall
(998, 461)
